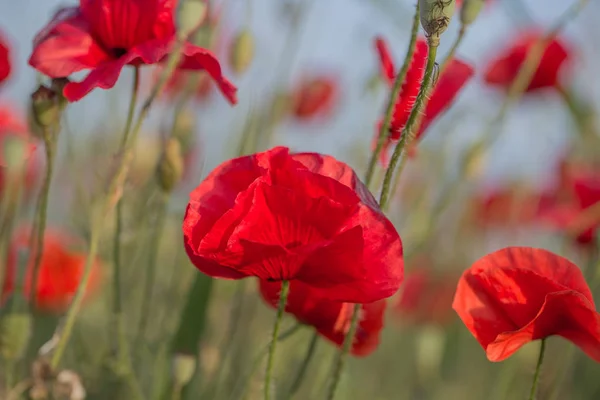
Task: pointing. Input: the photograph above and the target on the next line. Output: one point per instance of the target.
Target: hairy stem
(285, 287)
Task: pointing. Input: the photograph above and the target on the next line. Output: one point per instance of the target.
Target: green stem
(50, 136)
(310, 351)
(538, 370)
(285, 287)
(389, 112)
(407, 133)
(114, 188)
(453, 49)
(343, 355)
(151, 272)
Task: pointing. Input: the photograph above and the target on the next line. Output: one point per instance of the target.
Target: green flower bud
(242, 51)
(190, 14)
(170, 166)
(183, 130)
(14, 152)
(470, 10)
(435, 18)
(184, 366)
(45, 107)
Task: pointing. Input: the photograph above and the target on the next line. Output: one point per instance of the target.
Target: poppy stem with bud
(538, 370)
(285, 288)
(389, 112)
(346, 346)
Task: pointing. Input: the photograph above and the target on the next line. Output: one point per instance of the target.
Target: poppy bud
(170, 166)
(184, 366)
(474, 161)
(470, 10)
(190, 14)
(242, 51)
(435, 18)
(183, 130)
(44, 106)
(58, 86)
(14, 152)
(15, 331)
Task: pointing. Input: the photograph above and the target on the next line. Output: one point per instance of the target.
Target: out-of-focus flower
(306, 217)
(503, 70)
(314, 96)
(60, 272)
(518, 294)
(425, 298)
(12, 126)
(5, 66)
(331, 319)
(451, 81)
(106, 35)
(181, 79)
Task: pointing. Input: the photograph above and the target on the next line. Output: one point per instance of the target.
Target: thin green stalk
(343, 355)
(285, 287)
(50, 136)
(407, 133)
(107, 203)
(452, 52)
(538, 370)
(150, 280)
(389, 112)
(310, 352)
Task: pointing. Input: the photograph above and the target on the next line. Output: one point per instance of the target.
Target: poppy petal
(386, 61)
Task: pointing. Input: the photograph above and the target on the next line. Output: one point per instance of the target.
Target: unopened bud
(474, 161)
(170, 167)
(14, 153)
(15, 331)
(184, 366)
(242, 51)
(45, 107)
(435, 18)
(470, 10)
(190, 14)
(183, 129)
(58, 86)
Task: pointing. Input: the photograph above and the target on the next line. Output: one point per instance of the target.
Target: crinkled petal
(386, 61)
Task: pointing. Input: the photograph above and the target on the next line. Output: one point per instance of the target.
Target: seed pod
(14, 151)
(190, 14)
(470, 10)
(435, 18)
(170, 166)
(242, 51)
(184, 366)
(44, 106)
(58, 86)
(15, 331)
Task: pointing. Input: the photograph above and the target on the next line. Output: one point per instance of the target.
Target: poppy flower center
(118, 52)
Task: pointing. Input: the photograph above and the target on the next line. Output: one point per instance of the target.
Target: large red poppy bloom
(106, 35)
(452, 80)
(519, 294)
(60, 271)
(314, 96)
(331, 319)
(307, 217)
(503, 70)
(5, 66)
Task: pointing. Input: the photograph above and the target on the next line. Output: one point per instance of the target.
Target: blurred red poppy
(503, 70)
(181, 79)
(106, 35)
(307, 217)
(314, 96)
(330, 318)
(451, 81)
(5, 67)
(425, 298)
(519, 294)
(13, 126)
(60, 272)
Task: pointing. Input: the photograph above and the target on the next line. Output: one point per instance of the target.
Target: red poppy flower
(314, 96)
(179, 80)
(11, 125)
(426, 299)
(307, 217)
(519, 294)
(454, 77)
(330, 318)
(60, 272)
(5, 67)
(106, 35)
(503, 70)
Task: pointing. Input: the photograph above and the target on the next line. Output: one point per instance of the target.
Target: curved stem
(407, 133)
(347, 345)
(538, 370)
(115, 188)
(285, 287)
(452, 52)
(310, 351)
(50, 136)
(389, 112)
